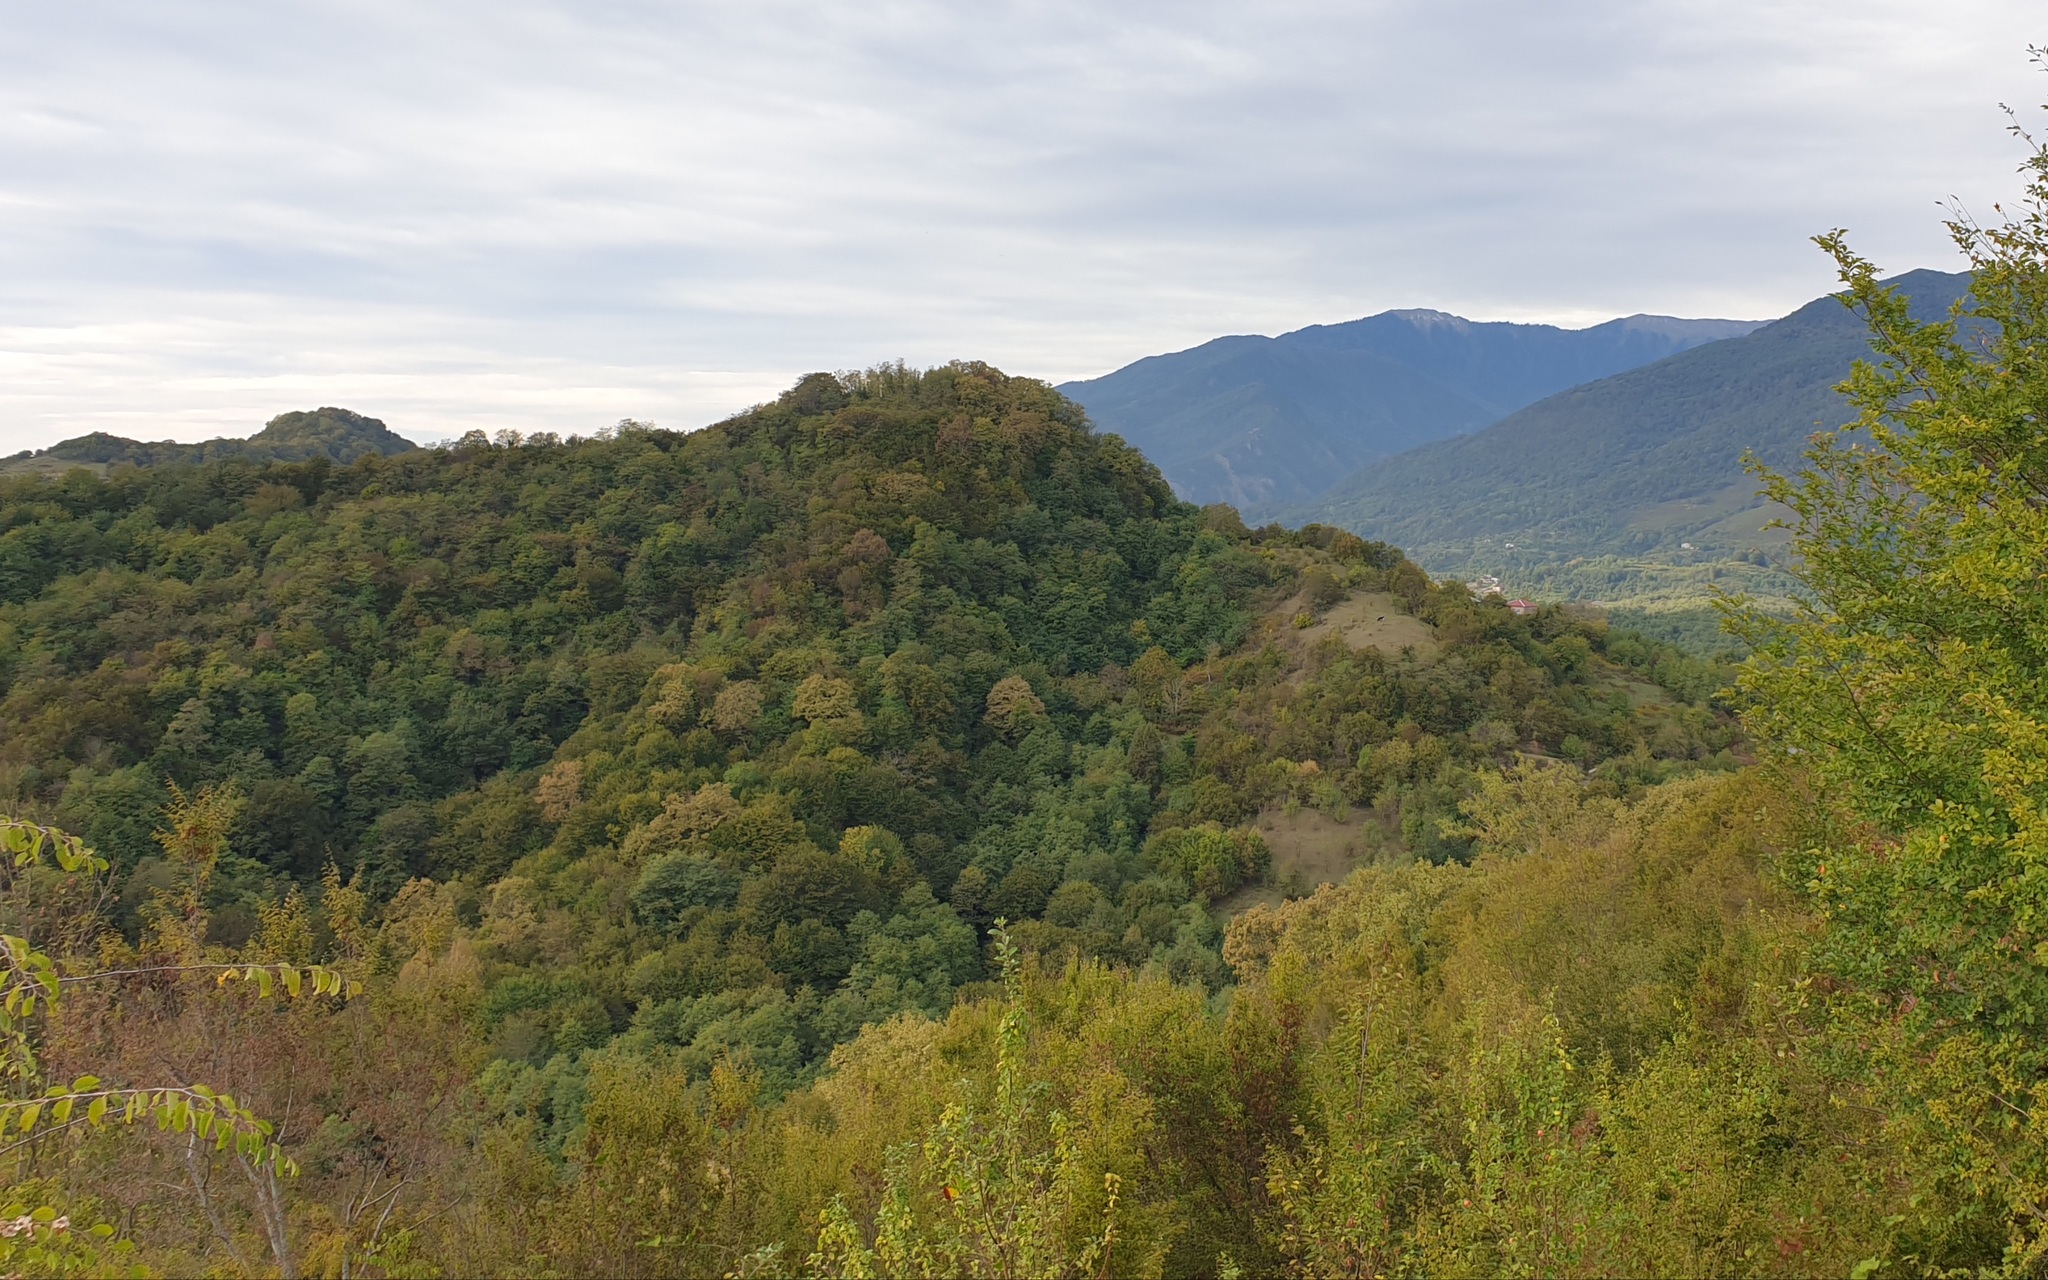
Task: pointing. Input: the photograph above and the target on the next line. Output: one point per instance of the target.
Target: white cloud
(551, 215)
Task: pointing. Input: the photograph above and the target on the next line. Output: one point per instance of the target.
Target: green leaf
(96, 1111)
(290, 974)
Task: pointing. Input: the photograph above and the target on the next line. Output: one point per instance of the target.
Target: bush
(1214, 860)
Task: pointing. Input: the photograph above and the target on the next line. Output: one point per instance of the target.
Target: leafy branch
(29, 982)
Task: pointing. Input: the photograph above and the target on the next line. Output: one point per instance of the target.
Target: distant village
(1487, 585)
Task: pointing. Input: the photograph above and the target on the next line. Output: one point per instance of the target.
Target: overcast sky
(458, 213)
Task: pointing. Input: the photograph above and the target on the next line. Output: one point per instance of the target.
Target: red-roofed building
(1523, 607)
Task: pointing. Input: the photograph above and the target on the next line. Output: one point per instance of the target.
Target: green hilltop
(339, 435)
(888, 833)
(717, 748)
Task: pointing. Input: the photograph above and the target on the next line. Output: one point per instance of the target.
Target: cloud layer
(553, 215)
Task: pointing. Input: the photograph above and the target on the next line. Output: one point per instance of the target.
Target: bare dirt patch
(1310, 849)
(1369, 619)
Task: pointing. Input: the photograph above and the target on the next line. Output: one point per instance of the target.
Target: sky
(457, 214)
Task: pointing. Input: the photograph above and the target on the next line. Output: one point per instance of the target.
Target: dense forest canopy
(734, 742)
(875, 664)
(884, 834)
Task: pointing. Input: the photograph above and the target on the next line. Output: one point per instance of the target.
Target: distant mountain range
(1266, 423)
(1631, 486)
(337, 434)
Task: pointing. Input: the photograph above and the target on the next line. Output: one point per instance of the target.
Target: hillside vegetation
(1265, 422)
(835, 844)
(1630, 489)
(715, 748)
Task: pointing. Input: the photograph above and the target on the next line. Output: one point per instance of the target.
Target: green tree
(1910, 687)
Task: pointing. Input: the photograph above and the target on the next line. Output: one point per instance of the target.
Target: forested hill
(339, 435)
(886, 833)
(1624, 471)
(1264, 422)
(768, 722)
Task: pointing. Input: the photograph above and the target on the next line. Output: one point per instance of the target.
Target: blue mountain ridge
(1263, 423)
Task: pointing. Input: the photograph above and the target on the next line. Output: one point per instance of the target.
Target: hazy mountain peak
(1428, 318)
(1265, 422)
(1673, 326)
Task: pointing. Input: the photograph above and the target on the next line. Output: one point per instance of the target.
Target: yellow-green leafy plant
(999, 1193)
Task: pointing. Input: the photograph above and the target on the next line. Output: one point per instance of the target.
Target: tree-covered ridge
(712, 983)
(415, 625)
(339, 435)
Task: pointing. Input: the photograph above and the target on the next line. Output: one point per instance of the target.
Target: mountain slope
(777, 715)
(1634, 465)
(339, 435)
(1263, 422)
(1255, 422)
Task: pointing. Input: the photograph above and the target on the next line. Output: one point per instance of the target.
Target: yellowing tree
(996, 1192)
(35, 1110)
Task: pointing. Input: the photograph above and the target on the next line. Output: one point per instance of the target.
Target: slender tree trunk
(270, 1207)
(193, 1167)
